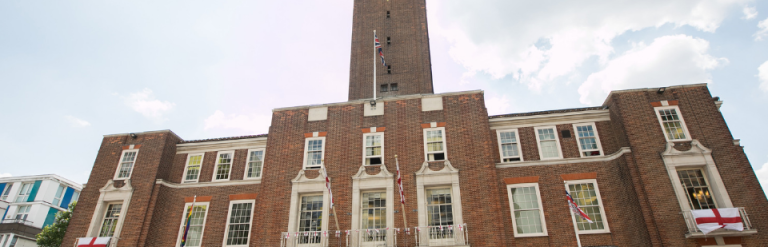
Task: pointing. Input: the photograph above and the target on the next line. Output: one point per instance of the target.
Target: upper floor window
(196, 224)
(6, 192)
(255, 164)
(23, 212)
(223, 165)
(26, 189)
(549, 144)
(509, 145)
(696, 188)
(192, 170)
(384, 88)
(434, 144)
(314, 152)
(239, 223)
(527, 212)
(111, 216)
(393, 87)
(125, 168)
(59, 194)
(672, 123)
(586, 194)
(374, 148)
(589, 141)
(75, 196)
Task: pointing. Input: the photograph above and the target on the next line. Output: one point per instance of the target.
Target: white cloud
(496, 105)
(76, 122)
(763, 25)
(538, 41)
(669, 60)
(253, 123)
(749, 13)
(762, 176)
(144, 102)
(762, 73)
(5, 175)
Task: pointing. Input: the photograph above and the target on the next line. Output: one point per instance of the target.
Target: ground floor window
(586, 194)
(196, 224)
(374, 210)
(111, 217)
(310, 219)
(239, 224)
(440, 213)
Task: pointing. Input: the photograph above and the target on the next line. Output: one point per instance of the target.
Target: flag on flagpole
(377, 45)
(575, 207)
(189, 220)
(327, 183)
(399, 181)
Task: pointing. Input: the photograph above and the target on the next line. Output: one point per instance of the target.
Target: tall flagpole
(335, 216)
(374, 64)
(573, 217)
(402, 204)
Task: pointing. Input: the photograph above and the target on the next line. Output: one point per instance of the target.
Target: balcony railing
(447, 235)
(694, 231)
(17, 221)
(112, 241)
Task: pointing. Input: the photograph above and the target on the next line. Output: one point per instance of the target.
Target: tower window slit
(387, 14)
(388, 41)
(389, 69)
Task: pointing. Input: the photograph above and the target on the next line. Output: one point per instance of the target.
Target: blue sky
(74, 71)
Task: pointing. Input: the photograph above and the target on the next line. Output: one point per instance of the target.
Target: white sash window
(192, 170)
(111, 216)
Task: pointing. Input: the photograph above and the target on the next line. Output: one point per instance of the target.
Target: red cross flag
(327, 184)
(708, 220)
(93, 242)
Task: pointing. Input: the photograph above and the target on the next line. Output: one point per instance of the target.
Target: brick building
(637, 165)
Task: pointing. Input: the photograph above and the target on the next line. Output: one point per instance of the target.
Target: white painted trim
(306, 149)
(208, 184)
(512, 210)
(550, 119)
(248, 160)
(519, 146)
(447, 177)
(250, 224)
(682, 123)
(211, 146)
(52, 177)
(303, 186)
(373, 129)
(655, 89)
(186, 165)
(597, 138)
(696, 157)
(361, 183)
(184, 217)
(445, 146)
(216, 167)
(120, 161)
(393, 98)
(557, 141)
(613, 156)
(108, 195)
(599, 201)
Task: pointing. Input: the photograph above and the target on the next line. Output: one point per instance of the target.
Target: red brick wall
(408, 54)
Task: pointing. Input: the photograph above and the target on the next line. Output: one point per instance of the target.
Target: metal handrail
(446, 235)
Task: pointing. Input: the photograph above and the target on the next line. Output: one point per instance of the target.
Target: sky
(73, 71)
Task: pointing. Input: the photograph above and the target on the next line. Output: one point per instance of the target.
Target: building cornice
(649, 90)
(550, 119)
(250, 143)
(394, 98)
(145, 132)
(207, 184)
(610, 157)
(52, 177)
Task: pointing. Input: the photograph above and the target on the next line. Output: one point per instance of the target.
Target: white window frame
(216, 167)
(306, 151)
(18, 211)
(184, 217)
(186, 166)
(557, 141)
(597, 139)
(512, 210)
(104, 217)
(248, 160)
(120, 162)
(250, 224)
(445, 146)
(21, 190)
(599, 200)
(682, 123)
(6, 193)
(60, 191)
(428, 179)
(501, 150)
(382, 147)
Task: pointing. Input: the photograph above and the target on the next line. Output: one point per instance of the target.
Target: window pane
(549, 149)
(546, 134)
(439, 212)
(510, 150)
(111, 216)
(310, 218)
(239, 224)
(254, 164)
(374, 215)
(672, 124)
(586, 197)
(696, 189)
(508, 137)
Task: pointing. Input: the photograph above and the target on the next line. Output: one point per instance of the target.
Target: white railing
(313, 239)
(447, 235)
(112, 241)
(371, 237)
(691, 222)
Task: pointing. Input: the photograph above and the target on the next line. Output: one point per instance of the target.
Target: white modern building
(29, 203)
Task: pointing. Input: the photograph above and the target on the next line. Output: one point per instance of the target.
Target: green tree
(52, 235)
